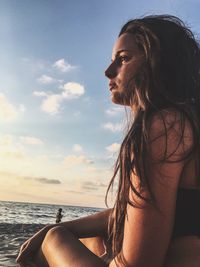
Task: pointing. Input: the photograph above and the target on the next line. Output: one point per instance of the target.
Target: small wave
(8, 228)
(43, 216)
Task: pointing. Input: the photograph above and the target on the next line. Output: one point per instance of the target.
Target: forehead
(125, 42)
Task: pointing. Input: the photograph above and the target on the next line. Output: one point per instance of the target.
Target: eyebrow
(120, 51)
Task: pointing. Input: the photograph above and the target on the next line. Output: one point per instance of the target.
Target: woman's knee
(56, 230)
(49, 244)
(54, 235)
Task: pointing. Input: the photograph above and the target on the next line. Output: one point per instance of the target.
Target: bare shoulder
(170, 135)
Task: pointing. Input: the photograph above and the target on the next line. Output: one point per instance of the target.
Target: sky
(59, 131)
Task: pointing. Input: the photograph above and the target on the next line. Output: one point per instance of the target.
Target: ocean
(19, 221)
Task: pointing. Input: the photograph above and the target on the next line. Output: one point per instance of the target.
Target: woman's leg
(61, 248)
(94, 244)
(40, 260)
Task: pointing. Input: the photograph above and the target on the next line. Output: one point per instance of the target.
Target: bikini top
(187, 217)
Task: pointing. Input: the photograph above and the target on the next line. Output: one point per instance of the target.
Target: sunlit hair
(169, 78)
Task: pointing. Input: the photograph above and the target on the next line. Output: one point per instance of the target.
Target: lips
(112, 85)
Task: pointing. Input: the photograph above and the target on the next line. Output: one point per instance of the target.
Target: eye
(123, 59)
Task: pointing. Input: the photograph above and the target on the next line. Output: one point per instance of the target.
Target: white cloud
(12, 153)
(8, 111)
(114, 111)
(39, 93)
(73, 90)
(9, 148)
(22, 108)
(114, 127)
(113, 148)
(63, 66)
(77, 148)
(45, 79)
(6, 140)
(30, 140)
(91, 170)
(72, 160)
(52, 102)
(60, 81)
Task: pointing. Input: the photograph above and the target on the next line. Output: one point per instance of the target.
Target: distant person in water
(59, 216)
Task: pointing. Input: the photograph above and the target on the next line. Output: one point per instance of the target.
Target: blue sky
(59, 131)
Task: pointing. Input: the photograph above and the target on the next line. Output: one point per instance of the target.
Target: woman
(155, 70)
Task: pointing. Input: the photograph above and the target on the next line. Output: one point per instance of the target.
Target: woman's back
(183, 252)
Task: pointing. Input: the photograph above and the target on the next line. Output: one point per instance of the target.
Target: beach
(15, 226)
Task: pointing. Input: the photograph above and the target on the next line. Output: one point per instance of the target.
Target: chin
(119, 99)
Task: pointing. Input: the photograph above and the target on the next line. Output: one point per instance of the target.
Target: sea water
(19, 221)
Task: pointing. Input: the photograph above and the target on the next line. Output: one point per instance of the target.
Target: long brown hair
(169, 78)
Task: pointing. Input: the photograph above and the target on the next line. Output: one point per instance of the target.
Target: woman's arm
(148, 230)
(90, 226)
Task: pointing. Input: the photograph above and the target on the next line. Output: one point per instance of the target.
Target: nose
(111, 72)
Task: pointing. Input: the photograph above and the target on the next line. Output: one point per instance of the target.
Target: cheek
(127, 76)
(125, 94)
(128, 85)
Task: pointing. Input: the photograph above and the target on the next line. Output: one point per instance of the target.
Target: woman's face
(126, 62)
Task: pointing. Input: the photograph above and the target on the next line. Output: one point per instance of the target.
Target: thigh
(61, 248)
(94, 244)
(40, 260)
